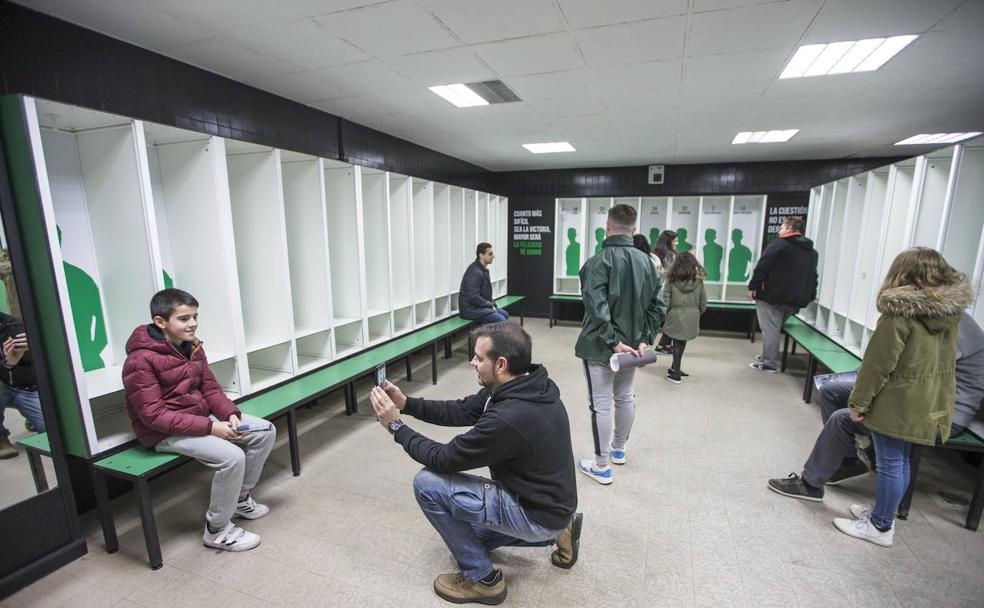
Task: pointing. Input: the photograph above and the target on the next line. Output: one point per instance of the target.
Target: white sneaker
(602, 476)
(617, 456)
(865, 530)
(861, 511)
(231, 538)
(250, 509)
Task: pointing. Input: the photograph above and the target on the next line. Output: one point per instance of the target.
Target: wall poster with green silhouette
(653, 215)
(683, 221)
(743, 243)
(570, 239)
(714, 219)
(597, 220)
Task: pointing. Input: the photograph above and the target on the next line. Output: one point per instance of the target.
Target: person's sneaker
(865, 530)
(794, 487)
(762, 367)
(602, 476)
(250, 509)
(861, 511)
(664, 350)
(29, 426)
(230, 538)
(7, 450)
(758, 358)
(674, 377)
(457, 589)
(568, 543)
(848, 471)
(684, 374)
(617, 456)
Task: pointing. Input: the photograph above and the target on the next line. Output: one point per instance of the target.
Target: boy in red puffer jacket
(176, 405)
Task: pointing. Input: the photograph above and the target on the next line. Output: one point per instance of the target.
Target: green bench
(821, 350)
(748, 307)
(139, 465)
(965, 441)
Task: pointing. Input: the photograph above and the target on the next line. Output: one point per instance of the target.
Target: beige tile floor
(688, 521)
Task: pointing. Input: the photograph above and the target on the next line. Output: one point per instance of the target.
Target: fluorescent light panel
(936, 138)
(843, 57)
(459, 94)
(764, 137)
(546, 148)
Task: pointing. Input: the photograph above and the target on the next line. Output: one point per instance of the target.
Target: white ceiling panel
(231, 59)
(303, 44)
(619, 79)
(767, 26)
(476, 21)
(654, 40)
(572, 83)
(642, 101)
(969, 15)
(568, 106)
(228, 16)
(442, 67)
(534, 55)
(701, 6)
(851, 20)
(940, 48)
(306, 87)
(730, 67)
(356, 78)
(316, 8)
(357, 108)
(589, 13)
(390, 29)
(716, 94)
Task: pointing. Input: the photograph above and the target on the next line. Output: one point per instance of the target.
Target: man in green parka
(623, 311)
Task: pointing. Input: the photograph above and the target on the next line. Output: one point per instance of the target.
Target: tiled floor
(688, 521)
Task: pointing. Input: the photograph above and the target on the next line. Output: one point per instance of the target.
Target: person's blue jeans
(499, 314)
(25, 402)
(893, 478)
(475, 515)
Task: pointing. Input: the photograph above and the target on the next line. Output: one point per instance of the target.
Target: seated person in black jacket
(18, 384)
(475, 294)
(521, 432)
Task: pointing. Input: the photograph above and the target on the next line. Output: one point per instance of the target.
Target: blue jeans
(893, 478)
(475, 515)
(499, 314)
(26, 402)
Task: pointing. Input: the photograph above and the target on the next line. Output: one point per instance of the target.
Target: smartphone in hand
(252, 428)
(381, 375)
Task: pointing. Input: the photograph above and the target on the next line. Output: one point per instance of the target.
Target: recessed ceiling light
(936, 138)
(557, 146)
(842, 57)
(459, 94)
(764, 137)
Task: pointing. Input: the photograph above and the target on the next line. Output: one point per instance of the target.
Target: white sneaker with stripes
(250, 509)
(231, 538)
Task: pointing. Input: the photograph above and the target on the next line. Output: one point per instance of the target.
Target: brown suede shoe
(6, 449)
(455, 588)
(565, 556)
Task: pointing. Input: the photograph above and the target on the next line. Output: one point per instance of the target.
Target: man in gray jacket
(833, 458)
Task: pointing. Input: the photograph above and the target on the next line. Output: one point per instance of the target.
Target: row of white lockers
(295, 260)
(860, 223)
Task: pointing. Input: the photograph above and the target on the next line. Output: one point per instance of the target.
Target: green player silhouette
(739, 259)
(90, 326)
(682, 244)
(713, 255)
(573, 253)
(653, 236)
(168, 281)
(599, 239)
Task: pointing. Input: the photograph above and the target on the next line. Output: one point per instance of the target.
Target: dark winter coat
(521, 432)
(786, 274)
(22, 376)
(475, 295)
(169, 392)
(906, 383)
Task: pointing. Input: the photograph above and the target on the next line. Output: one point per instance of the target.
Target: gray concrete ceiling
(627, 82)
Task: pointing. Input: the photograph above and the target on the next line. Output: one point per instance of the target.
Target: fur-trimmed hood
(911, 302)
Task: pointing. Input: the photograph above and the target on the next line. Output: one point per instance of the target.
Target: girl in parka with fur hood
(906, 386)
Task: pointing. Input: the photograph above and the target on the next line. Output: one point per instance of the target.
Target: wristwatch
(395, 426)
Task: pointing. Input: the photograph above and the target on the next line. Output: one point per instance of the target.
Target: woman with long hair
(686, 301)
(665, 252)
(906, 385)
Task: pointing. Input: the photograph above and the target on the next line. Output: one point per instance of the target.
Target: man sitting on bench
(834, 460)
(521, 432)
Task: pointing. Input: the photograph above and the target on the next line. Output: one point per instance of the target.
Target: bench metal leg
(447, 347)
(553, 314)
(409, 369)
(794, 347)
(37, 471)
(351, 405)
(433, 362)
(522, 313)
(295, 448)
(148, 524)
(977, 502)
(811, 370)
(785, 353)
(915, 455)
(104, 511)
(753, 326)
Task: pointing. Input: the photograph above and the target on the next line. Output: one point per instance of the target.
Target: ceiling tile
(356, 107)
(769, 26)
(589, 13)
(304, 87)
(729, 67)
(303, 44)
(568, 106)
(642, 101)
(716, 94)
(570, 83)
(390, 29)
(230, 59)
(969, 15)
(477, 21)
(940, 48)
(535, 55)
(852, 20)
(230, 15)
(652, 40)
(831, 88)
(365, 77)
(442, 67)
(638, 77)
(314, 8)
